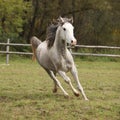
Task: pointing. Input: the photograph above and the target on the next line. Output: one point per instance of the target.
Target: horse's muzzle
(73, 42)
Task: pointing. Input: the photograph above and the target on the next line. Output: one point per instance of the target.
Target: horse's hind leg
(75, 76)
(67, 79)
(55, 84)
(51, 74)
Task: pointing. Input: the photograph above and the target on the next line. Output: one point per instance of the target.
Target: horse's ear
(71, 20)
(61, 20)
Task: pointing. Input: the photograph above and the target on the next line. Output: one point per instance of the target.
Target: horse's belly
(44, 60)
(65, 68)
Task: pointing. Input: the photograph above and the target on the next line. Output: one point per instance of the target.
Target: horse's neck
(60, 45)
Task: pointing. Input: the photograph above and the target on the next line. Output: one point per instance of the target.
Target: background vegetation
(97, 22)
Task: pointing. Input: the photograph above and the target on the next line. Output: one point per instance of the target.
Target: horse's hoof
(66, 96)
(86, 99)
(76, 94)
(54, 90)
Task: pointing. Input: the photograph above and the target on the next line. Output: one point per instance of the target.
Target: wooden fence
(8, 52)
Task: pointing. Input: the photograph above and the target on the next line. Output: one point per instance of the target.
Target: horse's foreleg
(67, 79)
(57, 82)
(75, 76)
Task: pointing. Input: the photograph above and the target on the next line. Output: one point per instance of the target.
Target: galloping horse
(53, 55)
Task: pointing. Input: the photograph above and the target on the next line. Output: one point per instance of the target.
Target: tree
(96, 21)
(13, 16)
(92, 19)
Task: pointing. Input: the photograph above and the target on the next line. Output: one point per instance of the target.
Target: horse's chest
(65, 65)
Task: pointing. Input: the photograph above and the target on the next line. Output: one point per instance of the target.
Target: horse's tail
(35, 43)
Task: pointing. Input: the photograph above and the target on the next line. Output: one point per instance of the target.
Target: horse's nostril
(73, 42)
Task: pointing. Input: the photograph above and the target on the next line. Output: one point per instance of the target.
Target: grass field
(26, 92)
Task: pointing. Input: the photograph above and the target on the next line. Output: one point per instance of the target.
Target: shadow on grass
(33, 97)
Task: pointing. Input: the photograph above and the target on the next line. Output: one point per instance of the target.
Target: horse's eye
(64, 29)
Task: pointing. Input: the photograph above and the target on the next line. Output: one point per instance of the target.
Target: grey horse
(53, 55)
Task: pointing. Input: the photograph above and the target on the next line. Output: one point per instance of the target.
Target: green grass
(26, 92)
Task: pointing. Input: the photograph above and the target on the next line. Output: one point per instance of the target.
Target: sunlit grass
(26, 92)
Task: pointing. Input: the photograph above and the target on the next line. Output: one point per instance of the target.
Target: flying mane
(51, 32)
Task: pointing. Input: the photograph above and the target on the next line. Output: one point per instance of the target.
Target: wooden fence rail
(105, 47)
(8, 52)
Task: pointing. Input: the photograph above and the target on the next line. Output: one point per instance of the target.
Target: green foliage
(13, 13)
(96, 21)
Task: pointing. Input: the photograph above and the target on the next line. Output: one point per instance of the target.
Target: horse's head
(67, 30)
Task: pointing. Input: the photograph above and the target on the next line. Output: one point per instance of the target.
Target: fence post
(7, 50)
